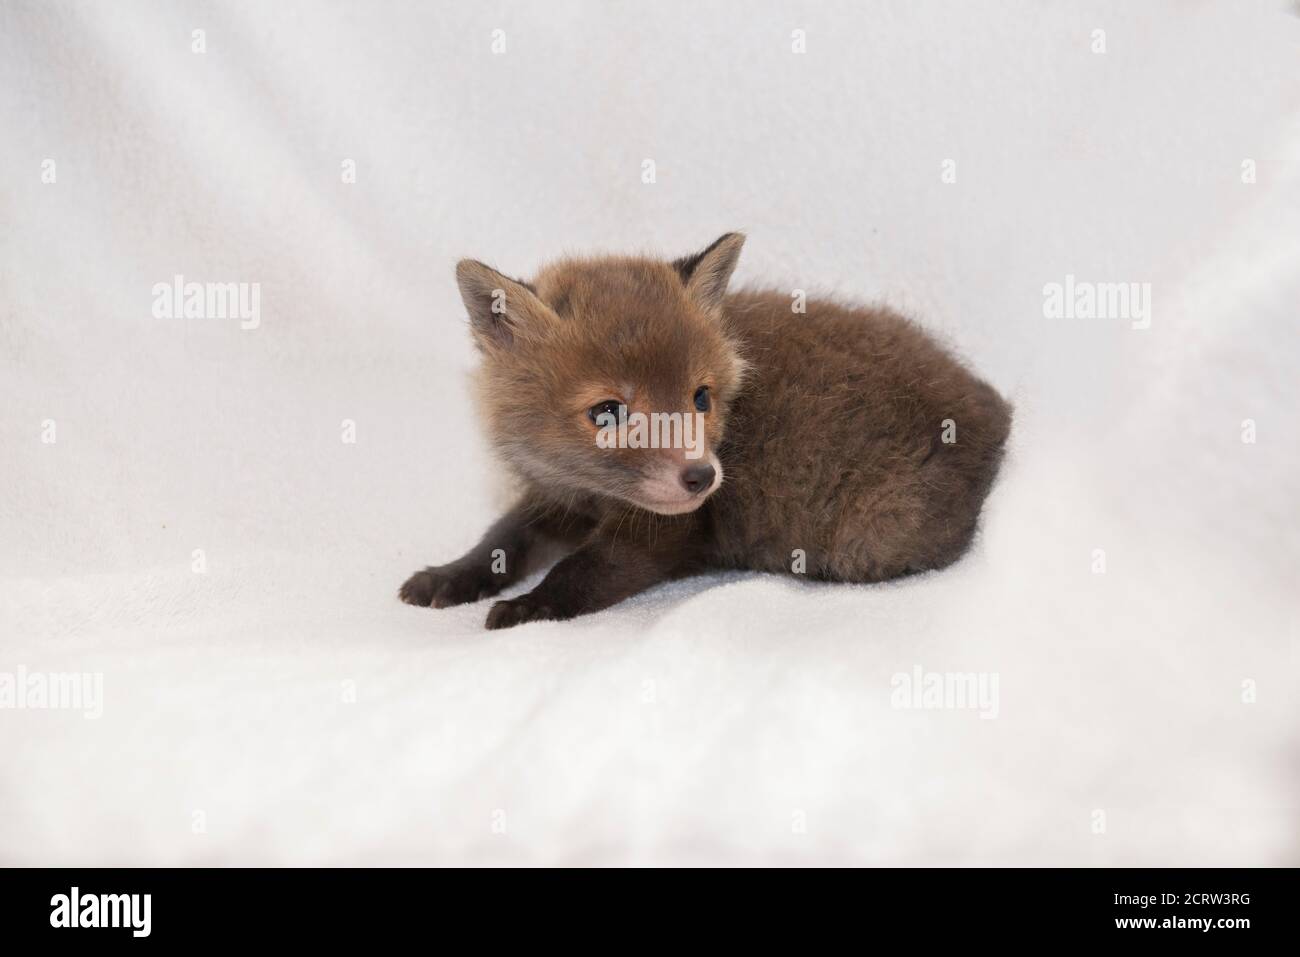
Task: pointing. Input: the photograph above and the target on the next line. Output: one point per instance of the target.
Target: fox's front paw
(448, 585)
(516, 611)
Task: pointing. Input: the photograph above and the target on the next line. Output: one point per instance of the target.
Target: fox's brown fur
(848, 444)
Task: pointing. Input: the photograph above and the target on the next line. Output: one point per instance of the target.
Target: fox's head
(597, 359)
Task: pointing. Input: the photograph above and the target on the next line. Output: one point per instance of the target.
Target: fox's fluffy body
(836, 444)
(840, 442)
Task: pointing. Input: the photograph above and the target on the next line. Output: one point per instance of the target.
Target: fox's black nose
(697, 478)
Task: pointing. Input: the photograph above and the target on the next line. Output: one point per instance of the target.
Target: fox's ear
(707, 273)
(501, 309)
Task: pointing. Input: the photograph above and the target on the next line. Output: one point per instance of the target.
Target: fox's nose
(697, 478)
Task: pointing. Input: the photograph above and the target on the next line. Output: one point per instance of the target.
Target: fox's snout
(697, 478)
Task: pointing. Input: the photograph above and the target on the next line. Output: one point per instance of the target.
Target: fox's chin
(674, 508)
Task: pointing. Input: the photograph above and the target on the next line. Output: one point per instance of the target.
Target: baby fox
(839, 442)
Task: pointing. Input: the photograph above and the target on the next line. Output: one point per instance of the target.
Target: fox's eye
(702, 401)
(609, 407)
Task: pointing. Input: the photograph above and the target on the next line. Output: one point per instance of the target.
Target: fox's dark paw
(447, 586)
(516, 611)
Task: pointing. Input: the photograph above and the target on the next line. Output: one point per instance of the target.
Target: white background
(699, 723)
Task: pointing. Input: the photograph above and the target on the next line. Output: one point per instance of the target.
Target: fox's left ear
(707, 273)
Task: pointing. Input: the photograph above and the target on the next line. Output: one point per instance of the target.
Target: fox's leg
(507, 552)
(599, 574)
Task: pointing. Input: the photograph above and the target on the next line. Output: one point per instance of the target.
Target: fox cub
(840, 442)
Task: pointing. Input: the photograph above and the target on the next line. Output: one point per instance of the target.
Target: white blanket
(184, 520)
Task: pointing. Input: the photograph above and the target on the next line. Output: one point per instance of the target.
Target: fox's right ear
(501, 309)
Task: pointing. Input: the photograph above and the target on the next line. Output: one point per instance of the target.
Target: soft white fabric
(740, 719)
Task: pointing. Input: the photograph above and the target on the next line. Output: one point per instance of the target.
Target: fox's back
(844, 418)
